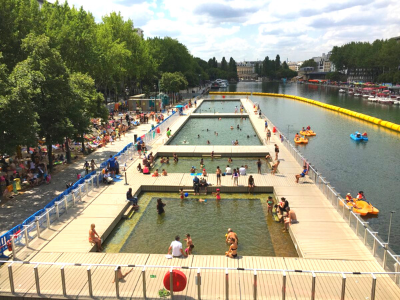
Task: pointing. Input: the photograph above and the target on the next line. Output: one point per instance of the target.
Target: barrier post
(66, 204)
(57, 210)
(198, 281)
(374, 246)
(73, 198)
(98, 176)
(80, 193)
(48, 218)
(116, 280)
(26, 236)
(373, 289)
(126, 179)
(226, 285)
(89, 275)
(385, 250)
(37, 227)
(144, 282)
(343, 287)
(13, 248)
(255, 285)
(36, 270)
(284, 285)
(11, 278)
(64, 288)
(86, 187)
(171, 283)
(313, 286)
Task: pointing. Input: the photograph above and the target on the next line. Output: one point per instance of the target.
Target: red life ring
(274, 129)
(158, 130)
(179, 281)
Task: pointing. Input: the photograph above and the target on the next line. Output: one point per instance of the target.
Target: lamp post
(155, 98)
(390, 224)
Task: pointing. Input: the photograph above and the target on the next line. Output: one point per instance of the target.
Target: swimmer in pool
(238, 126)
(208, 142)
(231, 127)
(201, 161)
(248, 136)
(198, 136)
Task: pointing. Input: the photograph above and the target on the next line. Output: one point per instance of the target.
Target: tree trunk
(83, 144)
(49, 152)
(67, 151)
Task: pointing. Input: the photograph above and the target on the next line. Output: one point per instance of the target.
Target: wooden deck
(213, 282)
(325, 241)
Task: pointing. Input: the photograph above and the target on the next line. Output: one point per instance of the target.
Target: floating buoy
(179, 281)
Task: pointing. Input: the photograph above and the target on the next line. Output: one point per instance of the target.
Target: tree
(309, 63)
(87, 104)
(173, 82)
(224, 64)
(42, 83)
(277, 62)
(285, 66)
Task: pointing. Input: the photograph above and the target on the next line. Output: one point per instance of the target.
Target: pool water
(185, 164)
(218, 106)
(207, 223)
(197, 131)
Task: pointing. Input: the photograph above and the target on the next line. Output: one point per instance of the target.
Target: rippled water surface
(350, 166)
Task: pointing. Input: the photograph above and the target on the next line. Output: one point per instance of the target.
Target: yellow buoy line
(349, 112)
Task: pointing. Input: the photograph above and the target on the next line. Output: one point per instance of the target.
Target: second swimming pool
(217, 131)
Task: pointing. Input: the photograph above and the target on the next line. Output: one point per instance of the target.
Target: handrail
(17, 231)
(336, 195)
(35, 263)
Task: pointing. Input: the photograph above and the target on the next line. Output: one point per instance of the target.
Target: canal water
(373, 167)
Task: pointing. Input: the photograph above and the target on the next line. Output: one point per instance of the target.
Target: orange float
(179, 281)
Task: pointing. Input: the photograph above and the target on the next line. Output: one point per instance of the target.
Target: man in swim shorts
(189, 244)
(218, 172)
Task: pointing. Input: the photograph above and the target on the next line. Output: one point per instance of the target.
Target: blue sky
(250, 30)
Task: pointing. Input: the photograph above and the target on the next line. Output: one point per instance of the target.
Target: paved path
(16, 210)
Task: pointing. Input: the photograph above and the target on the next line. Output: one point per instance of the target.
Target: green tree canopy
(173, 82)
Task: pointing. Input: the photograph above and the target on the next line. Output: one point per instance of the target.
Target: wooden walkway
(213, 282)
(324, 240)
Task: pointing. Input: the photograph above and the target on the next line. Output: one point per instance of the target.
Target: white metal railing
(42, 222)
(380, 250)
(223, 272)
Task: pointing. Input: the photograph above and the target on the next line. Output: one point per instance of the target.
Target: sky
(251, 30)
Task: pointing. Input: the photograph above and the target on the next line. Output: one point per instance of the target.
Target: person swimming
(231, 127)
(248, 136)
(238, 126)
(198, 136)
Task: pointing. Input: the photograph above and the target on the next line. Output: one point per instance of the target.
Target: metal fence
(208, 275)
(380, 250)
(33, 227)
(20, 236)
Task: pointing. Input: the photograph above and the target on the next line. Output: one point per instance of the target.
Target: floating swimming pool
(197, 131)
(185, 163)
(207, 223)
(219, 106)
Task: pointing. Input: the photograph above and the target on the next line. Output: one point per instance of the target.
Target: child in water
(217, 195)
(181, 194)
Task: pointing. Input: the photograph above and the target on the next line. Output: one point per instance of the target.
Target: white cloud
(253, 29)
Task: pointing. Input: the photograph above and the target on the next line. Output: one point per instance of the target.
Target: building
(323, 63)
(246, 71)
(295, 66)
(139, 32)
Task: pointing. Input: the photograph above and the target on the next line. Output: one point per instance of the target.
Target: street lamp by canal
(155, 98)
(390, 224)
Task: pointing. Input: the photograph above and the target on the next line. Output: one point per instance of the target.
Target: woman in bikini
(232, 252)
(94, 239)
